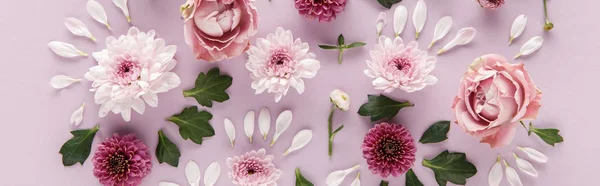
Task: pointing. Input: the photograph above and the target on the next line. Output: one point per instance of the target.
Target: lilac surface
(36, 116)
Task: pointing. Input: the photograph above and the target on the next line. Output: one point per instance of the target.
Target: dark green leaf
(356, 44)
(412, 179)
(193, 124)
(341, 40)
(550, 136)
(436, 133)
(301, 180)
(451, 167)
(210, 87)
(384, 183)
(328, 47)
(166, 151)
(77, 149)
(388, 3)
(379, 107)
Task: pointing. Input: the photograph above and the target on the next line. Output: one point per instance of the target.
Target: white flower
(278, 62)
(340, 99)
(132, 70)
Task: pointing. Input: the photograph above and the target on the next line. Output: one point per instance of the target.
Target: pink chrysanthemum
(491, 4)
(324, 10)
(254, 168)
(280, 62)
(389, 149)
(394, 65)
(122, 161)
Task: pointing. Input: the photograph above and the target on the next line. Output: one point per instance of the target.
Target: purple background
(36, 116)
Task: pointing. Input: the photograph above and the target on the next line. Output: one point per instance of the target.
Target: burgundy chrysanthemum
(389, 149)
(491, 4)
(122, 161)
(324, 10)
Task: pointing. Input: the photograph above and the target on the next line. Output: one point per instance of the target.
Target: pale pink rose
(493, 97)
(219, 29)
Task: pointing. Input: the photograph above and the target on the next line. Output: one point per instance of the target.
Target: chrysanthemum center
(252, 168)
(126, 68)
(281, 63)
(389, 149)
(402, 64)
(117, 164)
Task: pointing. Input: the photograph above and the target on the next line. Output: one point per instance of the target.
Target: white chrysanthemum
(278, 62)
(132, 70)
(394, 65)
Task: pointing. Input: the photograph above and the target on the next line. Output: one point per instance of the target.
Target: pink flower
(254, 168)
(389, 149)
(324, 10)
(494, 95)
(280, 62)
(491, 4)
(394, 65)
(219, 29)
(122, 161)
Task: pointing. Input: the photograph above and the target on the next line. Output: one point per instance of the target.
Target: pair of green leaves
(548, 135)
(379, 107)
(77, 149)
(301, 180)
(388, 3)
(342, 46)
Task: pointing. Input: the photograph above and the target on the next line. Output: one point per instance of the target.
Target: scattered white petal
(65, 49)
(97, 12)
(78, 28)
(356, 181)
(381, 22)
(230, 130)
(517, 28)
(122, 4)
(281, 124)
(77, 116)
(531, 46)
(512, 176)
(337, 177)
(192, 173)
(300, 140)
(525, 166)
(62, 81)
(420, 17)
(264, 122)
(441, 29)
(167, 184)
(496, 174)
(534, 154)
(463, 37)
(249, 124)
(212, 173)
(400, 19)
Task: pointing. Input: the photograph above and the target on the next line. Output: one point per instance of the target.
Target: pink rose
(493, 97)
(219, 29)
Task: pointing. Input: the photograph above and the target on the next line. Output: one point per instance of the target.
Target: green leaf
(550, 136)
(166, 151)
(301, 180)
(388, 3)
(193, 124)
(328, 47)
(341, 40)
(336, 131)
(384, 183)
(412, 179)
(451, 167)
(356, 44)
(77, 149)
(379, 107)
(210, 87)
(436, 133)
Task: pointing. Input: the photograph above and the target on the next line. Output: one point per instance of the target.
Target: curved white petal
(62, 81)
(380, 23)
(65, 49)
(463, 37)
(517, 28)
(531, 46)
(264, 122)
(77, 116)
(122, 4)
(281, 124)
(192, 173)
(97, 12)
(441, 29)
(534, 154)
(167, 184)
(77, 27)
(336, 178)
(230, 130)
(496, 174)
(249, 124)
(525, 166)
(212, 174)
(300, 140)
(512, 176)
(356, 181)
(419, 17)
(400, 19)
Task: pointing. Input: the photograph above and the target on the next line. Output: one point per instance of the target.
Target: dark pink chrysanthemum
(122, 161)
(389, 149)
(491, 4)
(324, 10)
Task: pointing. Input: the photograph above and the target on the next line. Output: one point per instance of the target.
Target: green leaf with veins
(193, 124)
(451, 167)
(412, 179)
(77, 149)
(301, 180)
(166, 151)
(356, 44)
(384, 183)
(379, 107)
(328, 47)
(436, 133)
(550, 136)
(210, 87)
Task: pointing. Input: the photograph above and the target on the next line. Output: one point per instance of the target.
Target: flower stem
(547, 25)
(330, 129)
(340, 55)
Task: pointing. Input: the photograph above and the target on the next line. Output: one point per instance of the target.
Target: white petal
(300, 140)
(496, 174)
(264, 122)
(281, 124)
(356, 181)
(62, 81)
(212, 173)
(400, 19)
(534, 154)
(122, 4)
(380, 23)
(512, 176)
(77, 116)
(78, 28)
(167, 184)
(463, 37)
(230, 130)
(525, 166)
(249, 124)
(97, 12)
(420, 17)
(192, 173)
(337, 177)
(517, 28)
(531, 46)
(65, 49)
(441, 29)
